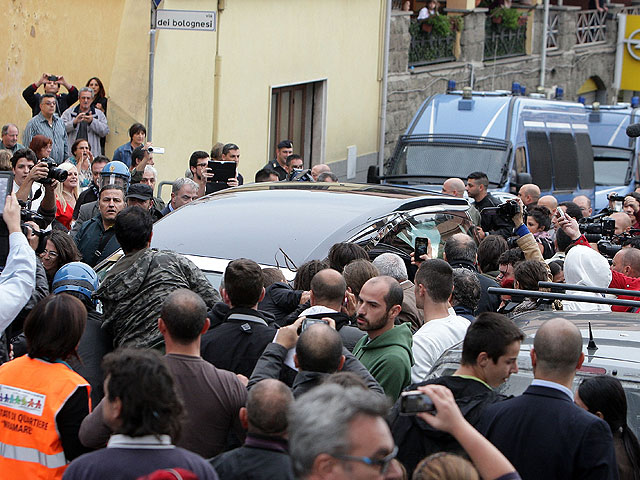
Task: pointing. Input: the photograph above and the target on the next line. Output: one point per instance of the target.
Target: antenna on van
(592, 343)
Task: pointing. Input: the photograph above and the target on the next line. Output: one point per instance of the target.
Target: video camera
(505, 210)
(596, 227)
(55, 173)
(301, 175)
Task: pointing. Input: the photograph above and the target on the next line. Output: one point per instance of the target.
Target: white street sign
(186, 20)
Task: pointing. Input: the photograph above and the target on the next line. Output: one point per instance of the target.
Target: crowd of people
(151, 372)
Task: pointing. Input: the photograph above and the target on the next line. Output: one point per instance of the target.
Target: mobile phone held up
(421, 247)
(413, 402)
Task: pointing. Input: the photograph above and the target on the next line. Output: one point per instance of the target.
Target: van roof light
(515, 88)
(466, 92)
(595, 106)
(451, 86)
(635, 102)
(582, 100)
(559, 93)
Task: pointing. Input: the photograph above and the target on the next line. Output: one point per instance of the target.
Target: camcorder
(301, 175)
(55, 173)
(600, 229)
(52, 78)
(505, 210)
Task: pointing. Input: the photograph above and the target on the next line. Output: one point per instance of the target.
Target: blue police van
(514, 139)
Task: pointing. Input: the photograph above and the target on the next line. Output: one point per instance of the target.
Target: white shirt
(35, 204)
(549, 384)
(17, 280)
(433, 338)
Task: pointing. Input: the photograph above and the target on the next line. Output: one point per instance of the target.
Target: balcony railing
(501, 42)
(429, 48)
(397, 4)
(633, 10)
(552, 31)
(591, 27)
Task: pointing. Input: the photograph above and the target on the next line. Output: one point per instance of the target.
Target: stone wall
(568, 66)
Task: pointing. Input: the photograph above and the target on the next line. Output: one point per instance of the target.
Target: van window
(565, 161)
(539, 159)
(585, 161)
(521, 160)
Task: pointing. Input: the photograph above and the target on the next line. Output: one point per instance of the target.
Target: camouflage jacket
(133, 291)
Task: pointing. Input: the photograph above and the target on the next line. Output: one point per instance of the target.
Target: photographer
(52, 86)
(27, 171)
(18, 278)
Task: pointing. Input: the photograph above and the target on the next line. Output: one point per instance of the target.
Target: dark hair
(111, 186)
(293, 156)
(54, 327)
(228, 147)
(143, 383)
(437, 277)
(100, 159)
(573, 210)
(306, 272)
(133, 228)
(343, 253)
(263, 175)
(480, 176)
(216, 151)
(195, 156)
(23, 153)
(137, 155)
(489, 250)
(529, 272)
(48, 95)
(541, 215)
(285, 144)
(605, 394)
(466, 288)
(66, 248)
(346, 380)
(632, 242)
(394, 295)
(562, 240)
(101, 91)
(268, 402)
(243, 282)
(324, 175)
(556, 267)
(357, 273)
(271, 276)
(319, 349)
(329, 289)
(136, 128)
(185, 314)
(460, 247)
(513, 256)
(492, 333)
(77, 142)
(39, 142)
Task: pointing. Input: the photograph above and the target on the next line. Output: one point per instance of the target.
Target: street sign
(627, 67)
(186, 20)
(156, 2)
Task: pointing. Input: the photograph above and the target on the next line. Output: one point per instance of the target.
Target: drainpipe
(385, 81)
(545, 32)
(217, 76)
(152, 54)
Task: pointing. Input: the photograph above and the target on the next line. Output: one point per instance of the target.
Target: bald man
(623, 222)
(627, 262)
(455, 187)
(544, 423)
(318, 169)
(548, 201)
(584, 203)
(529, 193)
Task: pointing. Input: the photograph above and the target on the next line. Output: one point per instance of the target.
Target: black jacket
(493, 224)
(350, 334)
(417, 440)
(280, 300)
(488, 302)
(64, 100)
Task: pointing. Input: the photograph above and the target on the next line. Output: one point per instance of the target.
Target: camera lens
(150, 149)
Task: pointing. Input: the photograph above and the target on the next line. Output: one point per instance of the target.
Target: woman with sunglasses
(60, 249)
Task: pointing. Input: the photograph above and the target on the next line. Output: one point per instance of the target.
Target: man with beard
(199, 166)
(386, 349)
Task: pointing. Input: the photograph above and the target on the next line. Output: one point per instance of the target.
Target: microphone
(633, 130)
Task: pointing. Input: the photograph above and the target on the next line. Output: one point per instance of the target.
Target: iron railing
(501, 42)
(552, 31)
(429, 48)
(397, 4)
(631, 10)
(591, 27)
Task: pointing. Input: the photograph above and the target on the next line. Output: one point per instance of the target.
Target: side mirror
(372, 174)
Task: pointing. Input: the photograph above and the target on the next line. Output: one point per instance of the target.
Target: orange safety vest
(32, 392)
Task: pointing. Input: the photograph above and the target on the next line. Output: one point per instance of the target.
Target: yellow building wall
(78, 39)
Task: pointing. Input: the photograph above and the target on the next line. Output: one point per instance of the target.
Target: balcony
(427, 48)
(591, 27)
(502, 42)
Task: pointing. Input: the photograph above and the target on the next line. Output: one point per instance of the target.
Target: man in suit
(542, 432)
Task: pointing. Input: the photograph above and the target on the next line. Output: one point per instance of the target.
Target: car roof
(256, 218)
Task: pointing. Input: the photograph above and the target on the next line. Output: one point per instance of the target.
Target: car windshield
(611, 166)
(437, 160)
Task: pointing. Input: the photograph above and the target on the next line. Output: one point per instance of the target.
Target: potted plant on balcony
(438, 24)
(508, 17)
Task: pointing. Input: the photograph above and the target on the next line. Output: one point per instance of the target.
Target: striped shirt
(39, 125)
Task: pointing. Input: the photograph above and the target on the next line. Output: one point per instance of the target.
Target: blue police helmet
(75, 277)
(115, 173)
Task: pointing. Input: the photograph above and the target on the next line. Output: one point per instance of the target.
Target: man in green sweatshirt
(385, 350)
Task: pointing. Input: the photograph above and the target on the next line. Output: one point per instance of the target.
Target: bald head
(627, 262)
(548, 201)
(328, 288)
(267, 405)
(319, 349)
(318, 169)
(529, 193)
(392, 291)
(453, 187)
(584, 203)
(623, 222)
(558, 349)
(460, 247)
